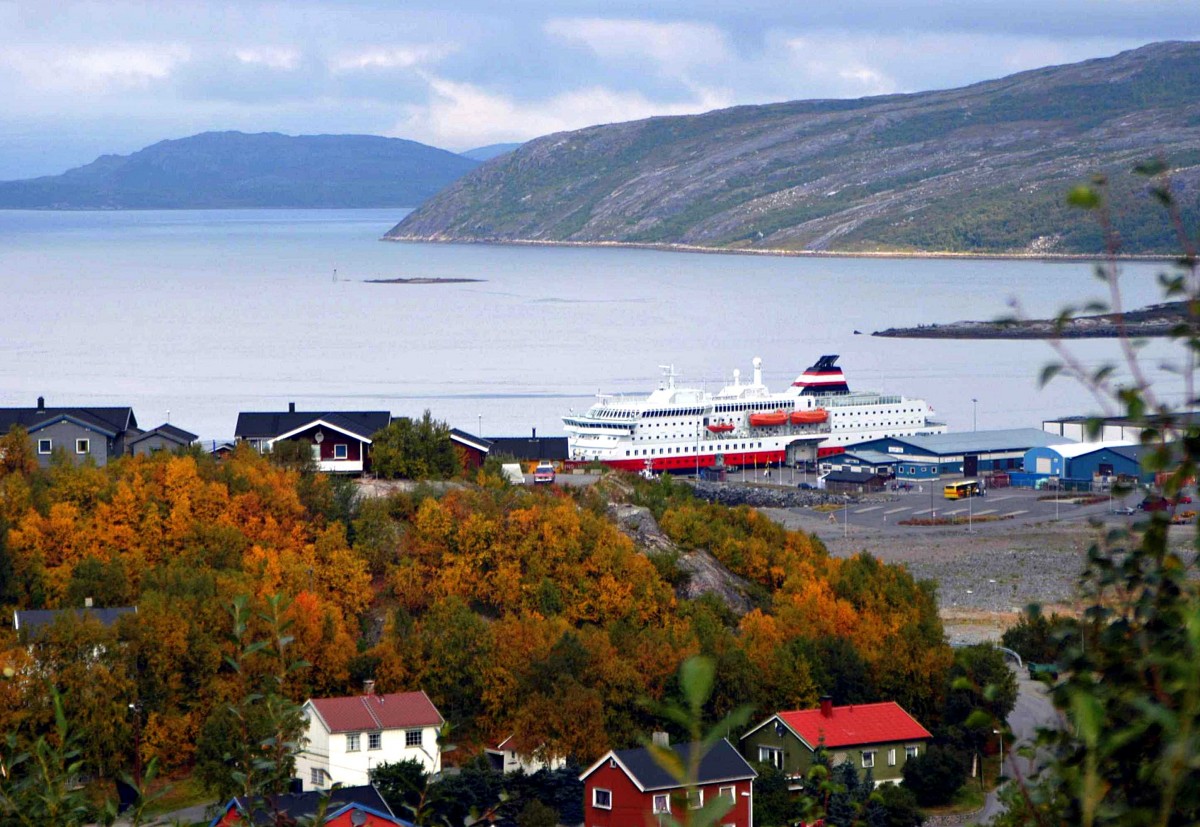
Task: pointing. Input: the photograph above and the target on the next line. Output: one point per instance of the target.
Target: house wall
(153, 444)
(634, 808)
(798, 758)
(63, 434)
(232, 818)
(328, 751)
(1087, 466)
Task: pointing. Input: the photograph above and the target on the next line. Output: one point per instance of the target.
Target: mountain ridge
(978, 169)
(230, 169)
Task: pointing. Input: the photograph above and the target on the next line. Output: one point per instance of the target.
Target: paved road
(1032, 711)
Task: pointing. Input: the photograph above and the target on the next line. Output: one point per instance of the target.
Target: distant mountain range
(487, 153)
(980, 169)
(234, 169)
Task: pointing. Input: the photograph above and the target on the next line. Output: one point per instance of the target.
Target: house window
(316, 453)
(868, 758)
(695, 799)
(317, 776)
(341, 451)
(892, 757)
(83, 446)
(662, 803)
(910, 753)
(45, 446)
(602, 799)
(772, 756)
(727, 792)
(375, 740)
(412, 738)
(352, 742)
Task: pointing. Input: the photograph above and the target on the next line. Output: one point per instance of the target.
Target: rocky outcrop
(703, 573)
(982, 169)
(769, 496)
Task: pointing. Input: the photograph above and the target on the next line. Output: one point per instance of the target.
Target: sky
(82, 79)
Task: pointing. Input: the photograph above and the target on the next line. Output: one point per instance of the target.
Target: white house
(510, 756)
(346, 737)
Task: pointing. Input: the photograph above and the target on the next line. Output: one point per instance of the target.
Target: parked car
(1158, 503)
(544, 473)
(1124, 509)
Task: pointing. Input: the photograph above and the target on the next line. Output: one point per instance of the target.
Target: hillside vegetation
(233, 169)
(978, 169)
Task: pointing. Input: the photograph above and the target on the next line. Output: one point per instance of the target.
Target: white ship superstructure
(743, 424)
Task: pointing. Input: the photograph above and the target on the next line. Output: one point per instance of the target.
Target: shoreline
(696, 248)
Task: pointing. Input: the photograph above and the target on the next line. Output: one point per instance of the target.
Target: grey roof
(170, 432)
(33, 620)
(851, 476)
(270, 425)
(109, 420)
(979, 442)
(304, 805)
(525, 447)
(721, 763)
(870, 456)
(470, 439)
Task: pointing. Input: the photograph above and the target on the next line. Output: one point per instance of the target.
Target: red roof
(400, 710)
(855, 724)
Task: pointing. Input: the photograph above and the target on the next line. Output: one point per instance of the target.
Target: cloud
(273, 57)
(673, 46)
(462, 115)
(402, 57)
(96, 69)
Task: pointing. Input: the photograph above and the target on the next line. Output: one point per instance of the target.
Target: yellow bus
(961, 489)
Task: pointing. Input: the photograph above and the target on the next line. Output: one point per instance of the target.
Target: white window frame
(772, 756)
(728, 792)
(316, 452)
(49, 443)
(892, 757)
(86, 443)
(695, 799)
(911, 753)
(597, 792)
(868, 758)
(341, 450)
(316, 776)
(375, 740)
(353, 744)
(661, 803)
(412, 738)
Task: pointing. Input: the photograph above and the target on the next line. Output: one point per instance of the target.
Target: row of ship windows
(703, 449)
(860, 425)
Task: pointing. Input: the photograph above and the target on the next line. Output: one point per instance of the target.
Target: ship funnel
(757, 371)
(737, 377)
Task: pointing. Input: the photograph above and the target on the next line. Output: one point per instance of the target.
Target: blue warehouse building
(1089, 462)
(965, 454)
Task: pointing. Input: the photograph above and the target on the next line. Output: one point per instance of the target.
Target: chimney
(87, 603)
(41, 404)
(826, 706)
(291, 407)
(368, 687)
(534, 434)
(660, 739)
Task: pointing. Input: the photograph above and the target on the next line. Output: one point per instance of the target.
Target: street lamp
(1001, 734)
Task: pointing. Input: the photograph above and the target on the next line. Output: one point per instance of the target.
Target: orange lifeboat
(721, 428)
(813, 417)
(773, 418)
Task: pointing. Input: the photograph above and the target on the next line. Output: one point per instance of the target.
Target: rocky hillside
(978, 169)
(233, 169)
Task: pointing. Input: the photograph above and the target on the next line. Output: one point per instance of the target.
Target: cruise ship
(744, 424)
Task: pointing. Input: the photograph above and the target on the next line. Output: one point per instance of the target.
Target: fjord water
(207, 313)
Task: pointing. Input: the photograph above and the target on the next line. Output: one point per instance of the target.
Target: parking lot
(1000, 509)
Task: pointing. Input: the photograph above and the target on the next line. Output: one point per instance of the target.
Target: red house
(627, 788)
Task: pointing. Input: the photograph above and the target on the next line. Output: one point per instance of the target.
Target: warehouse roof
(1077, 449)
(870, 456)
(979, 442)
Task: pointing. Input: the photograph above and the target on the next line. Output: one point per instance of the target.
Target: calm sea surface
(205, 314)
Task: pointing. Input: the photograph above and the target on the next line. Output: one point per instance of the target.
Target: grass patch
(1086, 499)
(179, 793)
(986, 518)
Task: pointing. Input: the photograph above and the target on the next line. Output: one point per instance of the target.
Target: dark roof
(721, 763)
(32, 620)
(304, 805)
(270, 425)
(170, 432)
(525, 447)
(398, 710)
(1133, 452)
(851, 476)
(110, 420)
(476, 442)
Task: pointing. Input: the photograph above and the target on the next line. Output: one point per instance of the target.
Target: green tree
(935, 775)
(415, 449)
